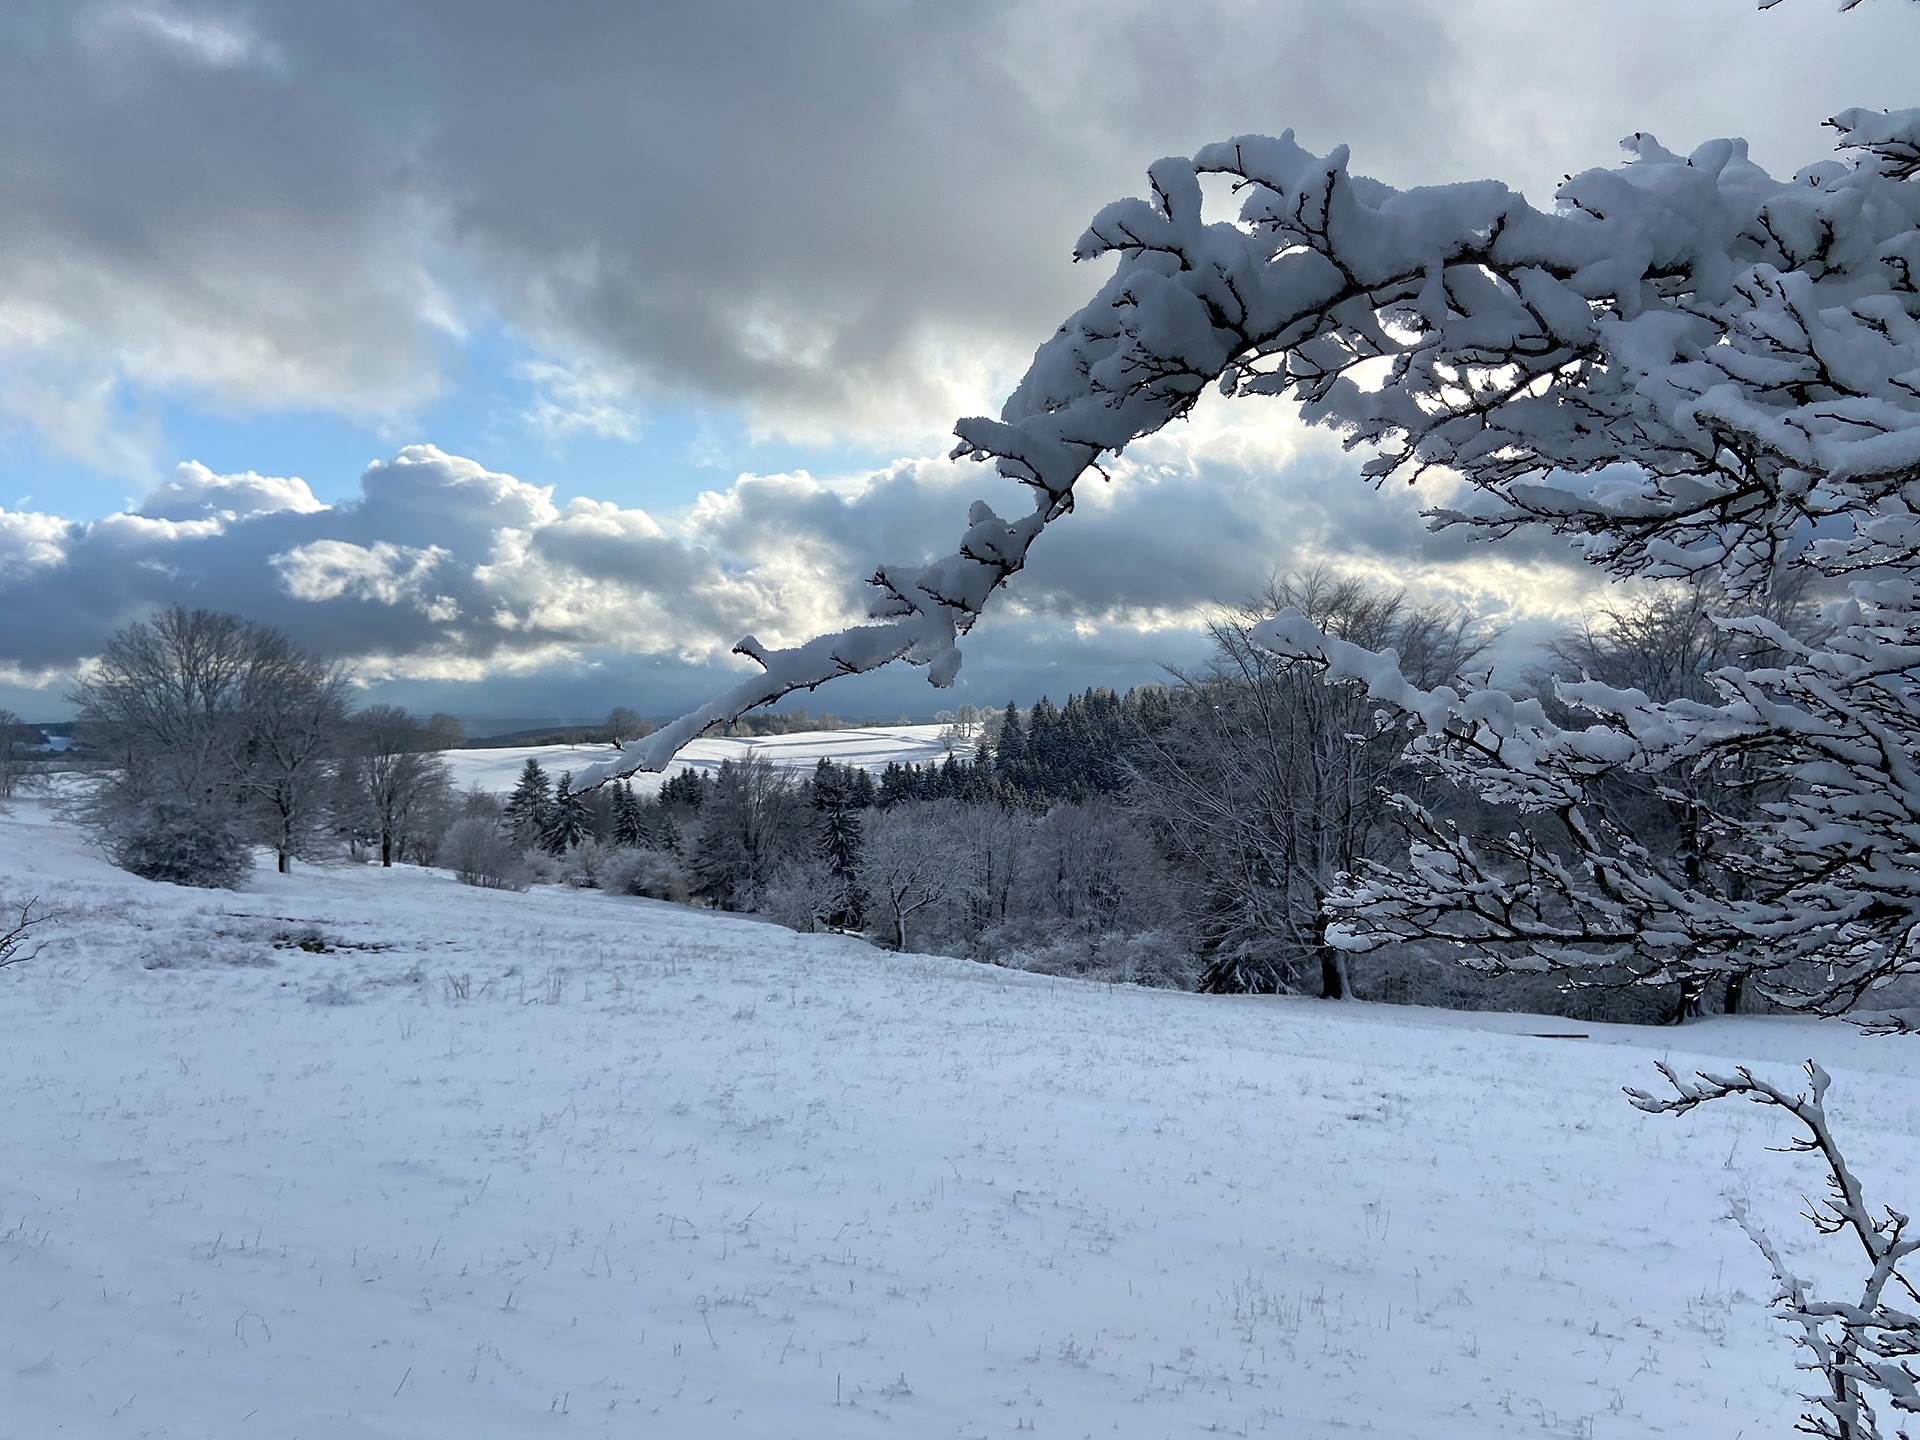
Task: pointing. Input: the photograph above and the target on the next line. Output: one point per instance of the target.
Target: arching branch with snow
(1756, 419)
(1714, 356)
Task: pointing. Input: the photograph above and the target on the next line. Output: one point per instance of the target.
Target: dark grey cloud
(843, 215)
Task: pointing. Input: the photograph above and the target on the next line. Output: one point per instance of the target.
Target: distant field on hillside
(874, 748)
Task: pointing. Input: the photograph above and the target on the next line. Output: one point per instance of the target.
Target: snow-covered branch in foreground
(1686, 365)
(1860, 1349)
(1792, 816)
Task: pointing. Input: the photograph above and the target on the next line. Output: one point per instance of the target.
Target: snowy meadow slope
(492, 1164)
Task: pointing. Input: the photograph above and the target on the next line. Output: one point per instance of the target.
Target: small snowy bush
(804, 896)
(582, 863)
(180, 842)
(478, 854)
(542, 868)
(652, 873)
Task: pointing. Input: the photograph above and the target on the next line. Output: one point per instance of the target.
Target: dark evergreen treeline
(1076, 751)
(1031, 759)
(744, 831)
(1042, 756)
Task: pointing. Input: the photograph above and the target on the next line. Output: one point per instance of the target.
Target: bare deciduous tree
(1270, 784)
(293, 711)
(395, 778)
(18, 933)
(11, 762)
(752, 823)
(218, 732)
(163, 705)
(907, 862)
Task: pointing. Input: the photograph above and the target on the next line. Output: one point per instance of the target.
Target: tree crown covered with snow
(1736, 337)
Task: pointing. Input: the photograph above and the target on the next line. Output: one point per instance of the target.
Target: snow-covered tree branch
(1860, 1349)
(1687, 365)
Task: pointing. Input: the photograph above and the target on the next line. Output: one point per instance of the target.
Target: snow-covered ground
(872, 747)
(561, 1163)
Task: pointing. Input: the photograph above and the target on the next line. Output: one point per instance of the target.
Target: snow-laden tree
(527, 810)
(567, 821)
(1864, 1350)
(1686, 367)
(906, 863)
(1752, 415)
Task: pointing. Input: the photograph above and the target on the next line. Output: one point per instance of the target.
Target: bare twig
(18, 941)
(1864, 1349)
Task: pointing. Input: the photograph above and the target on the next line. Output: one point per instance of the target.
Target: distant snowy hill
(874, 748)
(361, 1153)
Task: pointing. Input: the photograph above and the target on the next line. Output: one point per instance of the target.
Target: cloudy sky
(527, 356)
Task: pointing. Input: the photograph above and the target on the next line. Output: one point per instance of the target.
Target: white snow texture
(487, 1164)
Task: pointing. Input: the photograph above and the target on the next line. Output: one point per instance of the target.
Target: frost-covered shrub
(479, 854)
(582, 861)
(542, 868)
(1160, 958)
(652, 873)
(180, 842)
(804, 896)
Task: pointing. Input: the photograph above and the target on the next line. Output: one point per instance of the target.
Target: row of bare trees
(215, 734)
(1269, 789)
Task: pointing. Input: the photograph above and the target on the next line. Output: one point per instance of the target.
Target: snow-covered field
(873, 747)
(561, 1163)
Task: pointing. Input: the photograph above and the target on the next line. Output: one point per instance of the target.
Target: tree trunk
(386, 849)
(1332, 983)
(285, 862)
(1333, 975)
(1688, 1004)
(1736, 988)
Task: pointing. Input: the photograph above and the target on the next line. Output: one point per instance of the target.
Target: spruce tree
(629, 820)
(685, 791)
(1010, 752)
(840, 793)
(567, 820)
(1047, 757)
(898, 785)
(526, 814)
